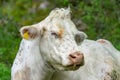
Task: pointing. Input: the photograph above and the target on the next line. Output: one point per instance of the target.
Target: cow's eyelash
(55, 34)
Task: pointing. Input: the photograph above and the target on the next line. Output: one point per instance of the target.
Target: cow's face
(59, 40)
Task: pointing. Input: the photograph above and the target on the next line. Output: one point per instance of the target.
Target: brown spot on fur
(107, 77)
(18, 75)
(60, 33)
(27, 73)
(110, 75)
(60, 29)
(22, 74)
(101, 41)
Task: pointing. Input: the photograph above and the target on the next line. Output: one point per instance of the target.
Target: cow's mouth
(65, 68)
(73, 66)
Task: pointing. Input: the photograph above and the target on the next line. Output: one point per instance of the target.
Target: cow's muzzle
(76, 59)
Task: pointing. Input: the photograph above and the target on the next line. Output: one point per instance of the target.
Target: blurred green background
(98, 18)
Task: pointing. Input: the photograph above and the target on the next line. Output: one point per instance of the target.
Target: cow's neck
(48, 74)
(34, 61)
(48, 71)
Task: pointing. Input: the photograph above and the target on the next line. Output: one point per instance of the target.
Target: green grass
(4, 72)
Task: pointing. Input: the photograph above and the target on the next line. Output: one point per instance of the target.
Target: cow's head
(59, 40)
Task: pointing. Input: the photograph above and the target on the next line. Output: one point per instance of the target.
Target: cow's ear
(80, 36)
(29, 32)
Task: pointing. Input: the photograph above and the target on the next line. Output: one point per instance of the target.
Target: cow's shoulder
(21, 73)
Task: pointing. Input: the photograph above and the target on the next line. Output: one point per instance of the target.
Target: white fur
(46, 57)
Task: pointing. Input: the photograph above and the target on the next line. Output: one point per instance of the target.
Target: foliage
(9, 40)
(102, 18)
(4, 72)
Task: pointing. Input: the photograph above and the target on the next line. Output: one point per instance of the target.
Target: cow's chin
(66, 68)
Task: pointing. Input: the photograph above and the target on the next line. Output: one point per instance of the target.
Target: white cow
(55, 50)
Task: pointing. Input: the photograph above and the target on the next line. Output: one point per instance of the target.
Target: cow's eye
(55, 34)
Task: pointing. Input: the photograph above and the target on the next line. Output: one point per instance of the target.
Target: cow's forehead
(58, 21)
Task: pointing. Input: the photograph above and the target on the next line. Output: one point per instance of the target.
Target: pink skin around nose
(76, 58)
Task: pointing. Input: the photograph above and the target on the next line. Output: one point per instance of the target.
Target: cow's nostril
(72, 56)
(76, 58)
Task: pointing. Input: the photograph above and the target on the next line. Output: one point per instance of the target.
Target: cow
(54, 49)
